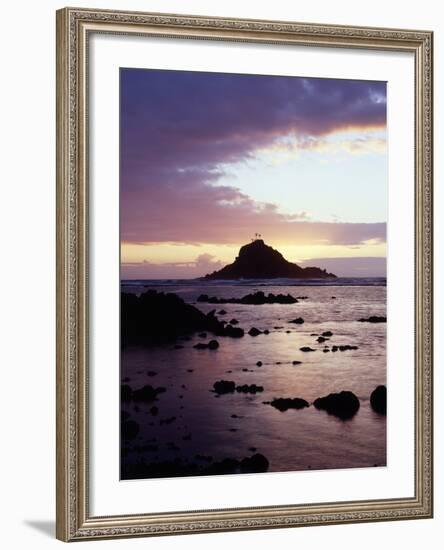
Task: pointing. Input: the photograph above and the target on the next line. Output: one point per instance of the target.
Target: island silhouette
(257, 260)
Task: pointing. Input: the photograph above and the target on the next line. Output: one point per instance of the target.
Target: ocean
(194, 426)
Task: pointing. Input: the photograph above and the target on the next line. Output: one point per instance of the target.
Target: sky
(208, 159)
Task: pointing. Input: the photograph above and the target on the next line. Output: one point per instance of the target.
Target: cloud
(193, 212)
(179, 128)
(207, 263)
(334, 143)
(203, 264)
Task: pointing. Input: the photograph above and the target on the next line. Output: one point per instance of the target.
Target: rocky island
(257, 260)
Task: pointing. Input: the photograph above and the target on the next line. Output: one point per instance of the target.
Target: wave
(340, 281)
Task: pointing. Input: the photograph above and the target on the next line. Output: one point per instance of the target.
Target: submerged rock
(284, 403)
(256, 298)
(167, 420)
(252, 388)
(373, 319)
(297, 321)
(254, 331)
(306, 349)
(200, 345)
(378, 400)
(347, 347)
(344, 404)
(212, 344)
(327, 334)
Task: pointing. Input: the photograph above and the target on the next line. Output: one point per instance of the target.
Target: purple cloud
(178, 128)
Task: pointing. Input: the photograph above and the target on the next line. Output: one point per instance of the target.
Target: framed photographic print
(244, 274)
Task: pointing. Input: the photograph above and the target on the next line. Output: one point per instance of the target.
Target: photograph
(227, 212)
(244, 273)
(253, 263)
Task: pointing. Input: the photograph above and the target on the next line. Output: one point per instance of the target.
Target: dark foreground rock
(373, 319)
(233, 332)
(147, 393)
(130, 429)
(256, 463)
(378, 400)
(224, 386)
(156, 318)
(306, 349)
(257, 260)
(344, 404)
(284, 403)
(125, 392)
(257, 298)
(254, 331)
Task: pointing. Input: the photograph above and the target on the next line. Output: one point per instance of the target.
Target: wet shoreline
(191, 421)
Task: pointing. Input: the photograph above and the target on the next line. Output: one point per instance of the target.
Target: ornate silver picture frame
(75, 519)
